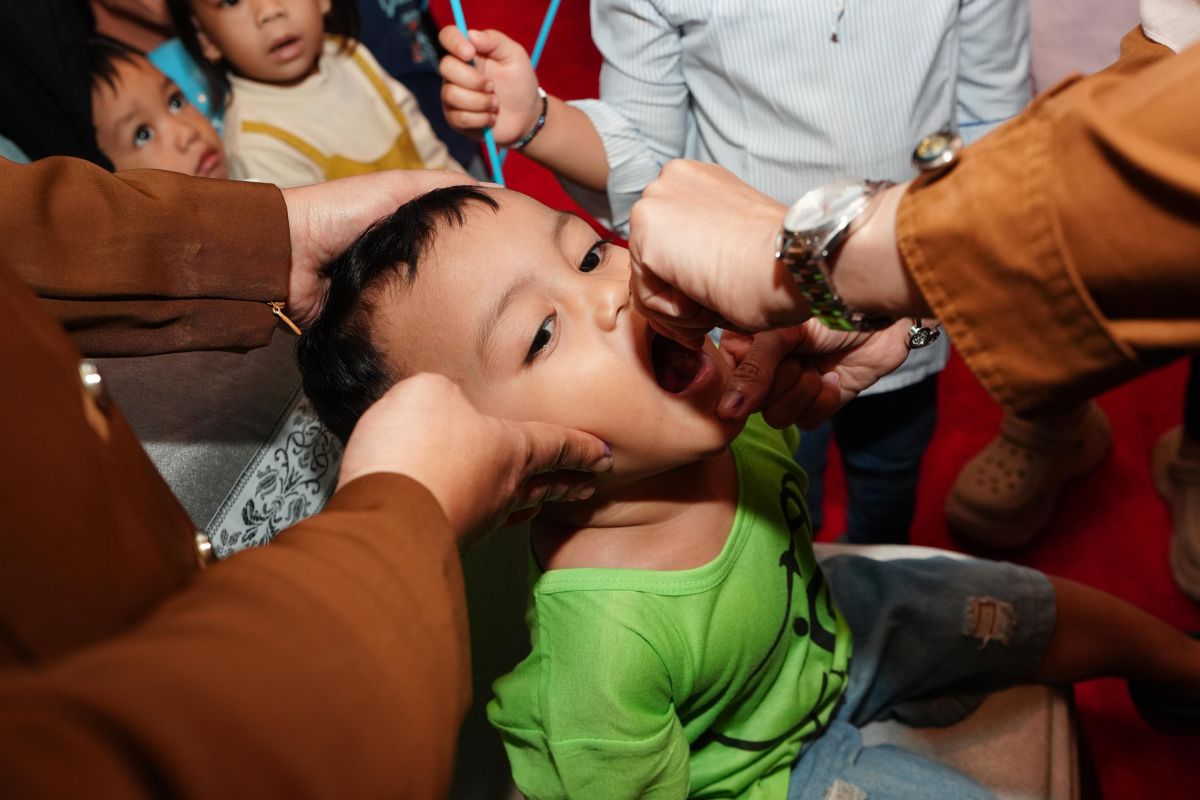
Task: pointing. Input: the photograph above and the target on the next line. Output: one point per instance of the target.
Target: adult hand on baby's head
(497, 91)
(803, 374)
(481, 470)
(325, 218)
(702, 248)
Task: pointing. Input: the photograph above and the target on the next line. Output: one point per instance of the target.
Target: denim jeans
(882, 438)
(932, 638)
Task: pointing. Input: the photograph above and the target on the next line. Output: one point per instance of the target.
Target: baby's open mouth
(675, 366)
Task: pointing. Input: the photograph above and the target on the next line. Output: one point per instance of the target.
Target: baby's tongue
(674, 365)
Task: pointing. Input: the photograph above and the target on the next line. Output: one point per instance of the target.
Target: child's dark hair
(342, 20)
(103, 55)
(343, 369)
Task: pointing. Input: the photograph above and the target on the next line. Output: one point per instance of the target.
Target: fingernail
(489, 87)
(731, 403)
(607, 449)
(603, 465)
(584, 492)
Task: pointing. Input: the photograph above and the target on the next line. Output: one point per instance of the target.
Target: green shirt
(703, 682)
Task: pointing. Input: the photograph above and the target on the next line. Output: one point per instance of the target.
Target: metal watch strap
(810, 272)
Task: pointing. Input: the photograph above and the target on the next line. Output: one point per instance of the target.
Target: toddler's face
(271, 41)
(529, 312)
(147, 123)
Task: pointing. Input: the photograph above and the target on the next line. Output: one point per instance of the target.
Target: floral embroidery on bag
(289, 479)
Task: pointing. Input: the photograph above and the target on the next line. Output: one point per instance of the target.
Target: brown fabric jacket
(332, 664)
(1063, 252)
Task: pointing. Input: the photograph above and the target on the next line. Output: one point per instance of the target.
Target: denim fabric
(882, 439)
(837, 767)
(932, 638)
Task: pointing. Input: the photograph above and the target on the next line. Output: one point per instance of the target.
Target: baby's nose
(612, 301)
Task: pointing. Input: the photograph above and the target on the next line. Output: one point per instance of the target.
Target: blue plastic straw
(539, 47)
(488, 139)
(496, 157)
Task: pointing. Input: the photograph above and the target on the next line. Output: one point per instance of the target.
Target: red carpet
(1111, 530)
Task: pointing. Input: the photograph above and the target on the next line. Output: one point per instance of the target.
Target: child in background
(788, 96)
(306, 107)
(143, 120)
(684, 639)
(222, 428)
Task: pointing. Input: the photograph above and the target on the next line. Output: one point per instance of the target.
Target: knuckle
(752, 367)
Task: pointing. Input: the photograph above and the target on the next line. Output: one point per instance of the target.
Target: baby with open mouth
(684, 640)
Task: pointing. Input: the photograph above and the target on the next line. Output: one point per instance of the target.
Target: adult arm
(155, 262)
(1088, 276)
(331, 664)
(1059, 253)
(147, 261)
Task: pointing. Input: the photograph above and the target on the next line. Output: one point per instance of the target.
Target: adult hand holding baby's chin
(483, 471)
(325, 218)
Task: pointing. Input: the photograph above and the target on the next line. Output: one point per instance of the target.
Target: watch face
(826, 205)
(937, 151)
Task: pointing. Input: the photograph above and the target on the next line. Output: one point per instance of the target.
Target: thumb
(495, 45)
(754, 376)
(551, 448)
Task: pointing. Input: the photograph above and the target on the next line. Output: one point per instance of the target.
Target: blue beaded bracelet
(537, 126)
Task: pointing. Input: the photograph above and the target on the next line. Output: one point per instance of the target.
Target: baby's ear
(209, 49)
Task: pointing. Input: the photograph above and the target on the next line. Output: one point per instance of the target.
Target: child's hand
(498, 91)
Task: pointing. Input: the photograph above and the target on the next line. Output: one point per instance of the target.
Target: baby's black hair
(342, 20)
(103, 55)
(343, 369)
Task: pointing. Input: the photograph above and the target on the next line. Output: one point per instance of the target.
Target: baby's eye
(594, 257)
(545, 333)
(227, 2)
(176, 101)
(142, 135)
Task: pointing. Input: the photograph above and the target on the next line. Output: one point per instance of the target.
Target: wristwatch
(937, 152)
(819, 222)
(813, 230)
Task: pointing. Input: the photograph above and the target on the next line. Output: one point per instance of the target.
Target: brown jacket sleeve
(331, 664)
(1063, 252)
(146, 261)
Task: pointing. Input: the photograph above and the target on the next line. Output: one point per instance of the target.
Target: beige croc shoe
(1007, 493)
(1178, 481)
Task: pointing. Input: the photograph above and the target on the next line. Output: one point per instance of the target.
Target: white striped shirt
(759, 87)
